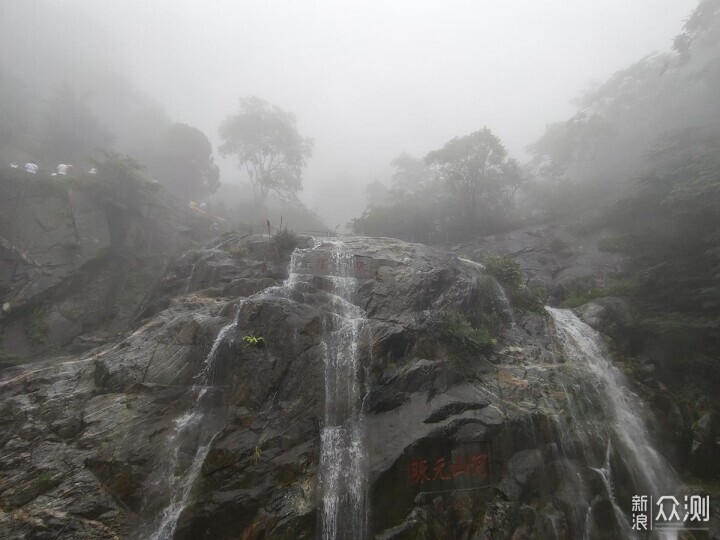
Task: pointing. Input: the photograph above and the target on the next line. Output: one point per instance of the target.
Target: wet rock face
(72, 263)
(89, 444)
(234, 266)
(552, 257)
(610, 315)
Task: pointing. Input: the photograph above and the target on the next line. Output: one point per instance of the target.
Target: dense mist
(365, 81)
(351, 270)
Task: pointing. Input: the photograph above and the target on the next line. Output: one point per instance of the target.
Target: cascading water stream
(343, 474)
(343, 470)
(505, 299)
(608, 420)
(501, 292)
(192, 433)
(474, 264)
(191, 277)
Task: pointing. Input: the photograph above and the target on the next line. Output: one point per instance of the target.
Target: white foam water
(343, 467)
(192, 434)
(607, 419)
(501, 292)
(189, 430)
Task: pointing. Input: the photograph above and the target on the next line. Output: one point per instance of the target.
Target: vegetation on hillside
(670, 231)
(464, 189)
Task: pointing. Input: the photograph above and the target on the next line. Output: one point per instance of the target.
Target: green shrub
(586, 293)
(44, 477)
(285, 240)
(255, 341)
(459, 331)
(506, 270)
(35, 327)
(492, 323)
(523, 298)
(5, 357)
(120, 180)
(490, 305)
(528, 299)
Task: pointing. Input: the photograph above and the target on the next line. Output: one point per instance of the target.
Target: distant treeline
(579, 167)
(76, 125)
(638, 164)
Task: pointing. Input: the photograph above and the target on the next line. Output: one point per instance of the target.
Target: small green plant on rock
(35, 328)
(44, 477)
(254, 341)
(460, 332)
(586, 292)
(285, 240)
(506, 270)
(528, 298)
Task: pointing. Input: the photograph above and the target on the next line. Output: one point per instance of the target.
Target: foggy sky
(369, 79)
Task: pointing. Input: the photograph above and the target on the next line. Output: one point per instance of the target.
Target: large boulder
(610, 315)
(207, 419)
(557, 259)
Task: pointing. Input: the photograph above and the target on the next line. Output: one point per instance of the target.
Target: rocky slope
(105, 443)
(75, 261)
(556, 258)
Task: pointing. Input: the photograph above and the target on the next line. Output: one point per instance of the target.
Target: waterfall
(507, 305)
(181, 484)
(501, 292)
(191, 277)
(191, 435)
(193, 432)
(608, 420)
(343, 469)
(474, 264)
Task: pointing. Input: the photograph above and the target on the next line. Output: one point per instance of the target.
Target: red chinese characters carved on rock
(361, 266)
(475, 466)
(322, 265)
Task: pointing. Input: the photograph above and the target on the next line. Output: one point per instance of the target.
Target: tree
(377, 193)
(588, 161)
(669, 231)
(671, 225)
(479, 177)
(267, 144)
(411, 209)
(185, 164)
(701, 30)
(572, 145)
(412, 176)
(571, 164)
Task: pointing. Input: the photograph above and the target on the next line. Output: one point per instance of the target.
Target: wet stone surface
(92, 444)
